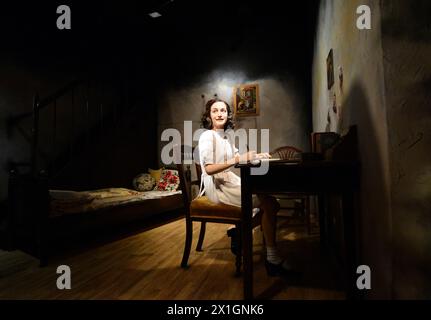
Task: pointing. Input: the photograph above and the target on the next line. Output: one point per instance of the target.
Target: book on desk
(333, 146)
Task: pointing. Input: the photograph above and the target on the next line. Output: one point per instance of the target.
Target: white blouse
(215, 147)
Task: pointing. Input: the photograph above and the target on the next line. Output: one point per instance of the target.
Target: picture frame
(330, 69)
(246, 100)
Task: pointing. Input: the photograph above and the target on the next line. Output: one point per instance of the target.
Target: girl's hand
(263, 155)
(249, 156)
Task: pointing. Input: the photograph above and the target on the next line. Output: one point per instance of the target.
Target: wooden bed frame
(30, 227)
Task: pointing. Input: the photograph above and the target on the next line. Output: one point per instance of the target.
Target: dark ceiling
(189, 32)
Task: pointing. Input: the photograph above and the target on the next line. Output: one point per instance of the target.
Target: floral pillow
(144, 182)
(169, 181)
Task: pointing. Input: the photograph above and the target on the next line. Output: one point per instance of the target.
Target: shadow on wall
(373, 220)
(396, 20)
(411, 174)
(407, 65)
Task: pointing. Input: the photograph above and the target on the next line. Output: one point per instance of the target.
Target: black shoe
(234, 244)
(277, 270)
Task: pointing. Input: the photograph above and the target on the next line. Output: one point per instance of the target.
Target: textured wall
(282, 108)
(407, 64)
(360, 101)
(386, 93)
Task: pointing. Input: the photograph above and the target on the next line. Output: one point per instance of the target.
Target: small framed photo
(330, 69)
(246, 100)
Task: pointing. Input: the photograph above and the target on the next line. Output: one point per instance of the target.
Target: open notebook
(257, 161)
(271, 159)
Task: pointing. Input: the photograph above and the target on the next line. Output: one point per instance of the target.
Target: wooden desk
(314, 177)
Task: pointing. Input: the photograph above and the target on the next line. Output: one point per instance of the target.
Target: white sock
(272, 255)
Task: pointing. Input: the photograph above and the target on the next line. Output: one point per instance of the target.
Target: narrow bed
(65, 202)
(40, 217)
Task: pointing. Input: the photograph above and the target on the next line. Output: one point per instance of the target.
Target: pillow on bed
(144, 182)
(169, 181)
(156, 174)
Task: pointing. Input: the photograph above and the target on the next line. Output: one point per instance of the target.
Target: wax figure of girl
(218, 155)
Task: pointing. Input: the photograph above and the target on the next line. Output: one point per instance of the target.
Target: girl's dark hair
(206, 117)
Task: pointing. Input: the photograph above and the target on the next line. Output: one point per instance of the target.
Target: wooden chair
(292, 153)
(286, 153)
(203, 210)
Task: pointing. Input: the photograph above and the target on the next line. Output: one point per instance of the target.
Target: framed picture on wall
(330, 69)
(246, 100)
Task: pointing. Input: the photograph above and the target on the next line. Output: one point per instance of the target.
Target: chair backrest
(185, 152)
(286, 153)
(197, 165)
(198, 173)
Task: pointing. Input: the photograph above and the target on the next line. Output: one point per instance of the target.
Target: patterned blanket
(68, 201)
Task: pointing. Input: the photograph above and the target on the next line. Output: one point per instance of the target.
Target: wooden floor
(146, 266)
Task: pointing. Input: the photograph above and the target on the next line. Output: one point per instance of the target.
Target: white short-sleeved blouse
(225, 187)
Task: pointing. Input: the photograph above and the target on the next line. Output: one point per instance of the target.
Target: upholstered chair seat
(203, 207)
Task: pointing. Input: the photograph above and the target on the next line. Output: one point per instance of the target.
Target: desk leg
(350, 244)
(247, 236)
(321, 204)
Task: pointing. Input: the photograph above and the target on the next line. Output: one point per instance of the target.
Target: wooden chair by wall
(203, 210)
(293, 153)
(286, 153)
